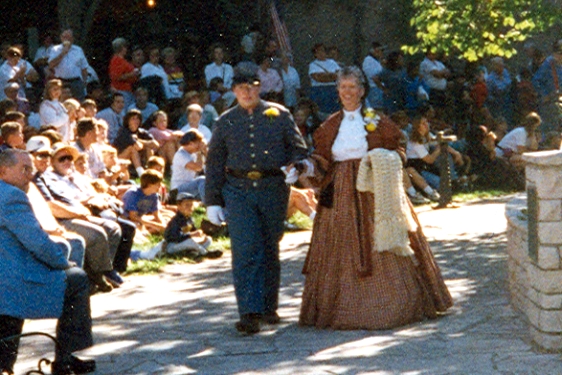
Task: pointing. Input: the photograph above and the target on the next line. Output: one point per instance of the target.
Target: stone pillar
(543, 301)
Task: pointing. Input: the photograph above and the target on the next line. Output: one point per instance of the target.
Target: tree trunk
(78, 15)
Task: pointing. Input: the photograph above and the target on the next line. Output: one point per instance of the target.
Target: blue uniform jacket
(32, 277)
(260, 141)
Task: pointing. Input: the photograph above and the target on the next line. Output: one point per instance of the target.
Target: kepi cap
(245, 76)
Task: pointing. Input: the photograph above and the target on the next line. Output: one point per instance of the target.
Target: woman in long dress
(348, 285)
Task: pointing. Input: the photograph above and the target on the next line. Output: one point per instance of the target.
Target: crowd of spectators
(150, 114)
(154, 126)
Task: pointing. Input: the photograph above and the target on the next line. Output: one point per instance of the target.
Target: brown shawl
(386, 135)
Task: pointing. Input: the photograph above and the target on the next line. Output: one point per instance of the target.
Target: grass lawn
(223, 243)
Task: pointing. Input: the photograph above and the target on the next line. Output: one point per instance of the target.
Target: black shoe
(100, 282)
(113, 278)
(213, 254)
(271, 318)
(249, 324)
(73, 365)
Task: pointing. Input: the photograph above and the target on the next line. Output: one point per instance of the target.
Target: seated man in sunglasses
(97, 258)
(75, 204)
(39, 148)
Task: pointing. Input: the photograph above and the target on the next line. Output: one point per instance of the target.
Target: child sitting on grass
(142, 206)
(181, 235)
(157, 163)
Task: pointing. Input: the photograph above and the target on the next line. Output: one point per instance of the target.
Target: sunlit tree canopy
(478, 28)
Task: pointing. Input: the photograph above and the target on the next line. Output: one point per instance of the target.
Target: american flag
(280, 30)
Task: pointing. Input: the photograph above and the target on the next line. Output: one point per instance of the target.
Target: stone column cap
(546, 158)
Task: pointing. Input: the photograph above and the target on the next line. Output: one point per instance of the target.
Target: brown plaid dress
(348, 286)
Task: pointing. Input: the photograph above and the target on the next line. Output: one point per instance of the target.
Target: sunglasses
(64, 158)
(42, 155)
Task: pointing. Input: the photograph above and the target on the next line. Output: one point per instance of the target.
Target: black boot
(249, 324)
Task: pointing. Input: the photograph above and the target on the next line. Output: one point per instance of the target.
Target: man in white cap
(39, 147)
(102, 236)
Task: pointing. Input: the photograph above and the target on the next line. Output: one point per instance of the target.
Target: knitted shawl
(380, 173)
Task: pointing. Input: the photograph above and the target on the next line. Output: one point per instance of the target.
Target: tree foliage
(478, 28)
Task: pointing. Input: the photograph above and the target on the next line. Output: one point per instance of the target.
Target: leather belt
(71, 79)
(254, 174)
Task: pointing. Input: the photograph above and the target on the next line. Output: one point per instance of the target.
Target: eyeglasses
(29, 169)
(64, 158)
(42, 155)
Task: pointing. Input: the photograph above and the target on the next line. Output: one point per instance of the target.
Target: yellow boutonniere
(371, 120)
(271, 112)
(370, 127)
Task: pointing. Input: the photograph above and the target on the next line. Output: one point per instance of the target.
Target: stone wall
(534, 249)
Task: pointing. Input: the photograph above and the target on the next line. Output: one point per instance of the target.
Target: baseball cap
(58, 147)
(194, 107)
(38, 143)
(12, 85)
(185, 197)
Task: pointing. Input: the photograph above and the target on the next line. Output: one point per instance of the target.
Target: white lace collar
(352, 115)
(351, 141)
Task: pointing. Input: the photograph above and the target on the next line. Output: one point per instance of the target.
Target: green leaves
(478, 28)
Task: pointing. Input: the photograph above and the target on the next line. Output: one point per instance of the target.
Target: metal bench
(43, 362)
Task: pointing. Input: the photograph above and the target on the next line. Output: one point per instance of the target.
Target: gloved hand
(291, 175)
(215, 214)
(305, 168)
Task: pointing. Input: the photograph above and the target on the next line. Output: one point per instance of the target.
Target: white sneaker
(434, 196)
(417, 198)
(158, 249)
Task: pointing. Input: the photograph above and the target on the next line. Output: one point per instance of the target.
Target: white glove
(291, 176)
(215, 214)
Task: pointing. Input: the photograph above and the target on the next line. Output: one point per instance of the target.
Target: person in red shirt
(478, 94)
(122, 73)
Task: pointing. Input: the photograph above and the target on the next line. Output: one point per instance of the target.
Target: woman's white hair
(118, 44)
(352, 72)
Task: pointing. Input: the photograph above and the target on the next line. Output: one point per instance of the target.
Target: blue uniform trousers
(255, 219)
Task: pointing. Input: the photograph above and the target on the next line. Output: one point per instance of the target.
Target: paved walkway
(182, 320)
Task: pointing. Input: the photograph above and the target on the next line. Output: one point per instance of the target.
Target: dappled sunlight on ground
(181, 321)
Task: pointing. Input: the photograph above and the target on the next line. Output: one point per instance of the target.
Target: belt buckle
(254, 175)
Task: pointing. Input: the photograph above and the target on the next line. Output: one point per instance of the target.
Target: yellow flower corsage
(371, 120)
(271, 112)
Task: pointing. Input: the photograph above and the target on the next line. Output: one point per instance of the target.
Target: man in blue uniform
(250, 144)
